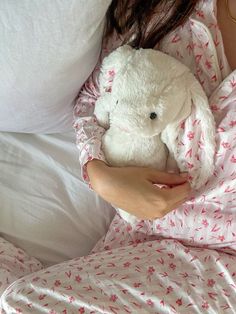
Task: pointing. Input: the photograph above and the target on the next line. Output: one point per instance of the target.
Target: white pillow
(48, 48)
(45, 208)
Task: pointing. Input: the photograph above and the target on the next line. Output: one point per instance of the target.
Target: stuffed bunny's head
(138, 95)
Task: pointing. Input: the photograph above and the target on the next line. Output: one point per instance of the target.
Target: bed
(162, 270)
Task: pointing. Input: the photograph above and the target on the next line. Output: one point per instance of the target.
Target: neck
(231, 9)
(228, 29)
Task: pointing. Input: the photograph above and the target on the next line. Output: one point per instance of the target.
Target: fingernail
(184, 174)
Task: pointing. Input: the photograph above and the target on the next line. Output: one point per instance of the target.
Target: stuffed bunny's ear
(112, 64)
(196, 104)
(109, 68)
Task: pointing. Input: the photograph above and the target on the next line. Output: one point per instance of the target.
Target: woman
(143, 270)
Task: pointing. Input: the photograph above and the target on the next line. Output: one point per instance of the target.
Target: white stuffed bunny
(145, 95)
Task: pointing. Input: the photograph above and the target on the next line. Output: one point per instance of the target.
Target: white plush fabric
(46, 208)
(47, 50)
(150, 95)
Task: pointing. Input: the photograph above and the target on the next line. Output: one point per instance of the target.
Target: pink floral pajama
(14, 264)
(159, 276)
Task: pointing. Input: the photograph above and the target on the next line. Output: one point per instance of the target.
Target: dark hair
(132, 18)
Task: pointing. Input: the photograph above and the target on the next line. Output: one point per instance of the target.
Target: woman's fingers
(165, 200)
(177, 195)
(166, 178)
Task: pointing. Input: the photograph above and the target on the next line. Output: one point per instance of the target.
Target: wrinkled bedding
(45, 207)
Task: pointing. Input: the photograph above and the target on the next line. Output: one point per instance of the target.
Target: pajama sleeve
(88, 132)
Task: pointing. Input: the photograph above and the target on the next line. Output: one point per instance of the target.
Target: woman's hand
(132, 189)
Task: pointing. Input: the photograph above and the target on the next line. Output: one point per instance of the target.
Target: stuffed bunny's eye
(153, 115)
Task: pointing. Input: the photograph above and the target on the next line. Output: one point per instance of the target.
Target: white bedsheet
(45, 207)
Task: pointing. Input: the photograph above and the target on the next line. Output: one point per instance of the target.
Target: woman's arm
(133, 189)
(88, 132)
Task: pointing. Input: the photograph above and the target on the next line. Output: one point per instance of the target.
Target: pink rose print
(205, 223)
(113, 298)
(127, 264)
(210, 282)
(225, 145)
(78, 279)
(190, 135)
(205, 305)
(233, 159)
(232, 123)
(179, 302)
(221, 238)
(137, 284)
(57, 283)
(151, 270)
(172, 266)
(169, 290)
(150, 302)
(71, 299)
